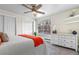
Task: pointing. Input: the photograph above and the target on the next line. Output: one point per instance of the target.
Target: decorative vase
(74, 32)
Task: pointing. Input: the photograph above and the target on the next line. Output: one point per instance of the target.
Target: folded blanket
(37, 40)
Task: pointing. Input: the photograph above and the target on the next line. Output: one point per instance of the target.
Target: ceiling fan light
(34, 13)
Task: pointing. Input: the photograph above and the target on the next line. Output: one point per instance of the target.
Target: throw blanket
(37, 40)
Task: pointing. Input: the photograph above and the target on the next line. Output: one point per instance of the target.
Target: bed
(18, 45)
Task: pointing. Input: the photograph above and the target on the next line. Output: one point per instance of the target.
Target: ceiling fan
(33, 8)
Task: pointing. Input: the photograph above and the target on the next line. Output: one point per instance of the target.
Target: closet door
(1, 23)
(9, 25)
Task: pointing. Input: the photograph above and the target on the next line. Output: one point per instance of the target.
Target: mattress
(21, 46)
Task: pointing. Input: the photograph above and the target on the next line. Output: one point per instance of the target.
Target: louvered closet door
(1, 23)
(9, 25)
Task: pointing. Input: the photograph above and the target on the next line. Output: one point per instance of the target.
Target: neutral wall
(62, 22)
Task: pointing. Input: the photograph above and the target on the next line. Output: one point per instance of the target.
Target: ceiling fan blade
(40, 12)
(33, 4)
(26, 6)
(38, 6)
(28, 12)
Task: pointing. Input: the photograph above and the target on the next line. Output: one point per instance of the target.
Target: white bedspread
(21, 46)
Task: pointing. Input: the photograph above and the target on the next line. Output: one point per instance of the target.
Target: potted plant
(35, 33)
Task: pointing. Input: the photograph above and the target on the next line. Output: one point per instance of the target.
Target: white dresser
(68, 40)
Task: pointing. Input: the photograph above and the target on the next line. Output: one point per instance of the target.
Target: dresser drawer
(68, 40)
(73, 46)
(69, 45)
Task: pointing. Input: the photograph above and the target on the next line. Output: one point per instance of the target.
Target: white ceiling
(47, 8)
